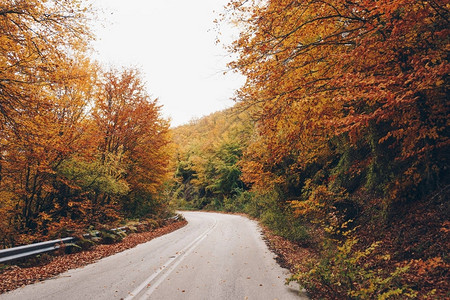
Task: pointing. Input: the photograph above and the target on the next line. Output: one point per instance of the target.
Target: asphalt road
(216, 256)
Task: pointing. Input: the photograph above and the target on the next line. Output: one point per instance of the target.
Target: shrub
(85, 244)
(109, 237)
(348, 273)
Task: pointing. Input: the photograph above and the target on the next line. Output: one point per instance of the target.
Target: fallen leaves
(15, 277)
(289, 255)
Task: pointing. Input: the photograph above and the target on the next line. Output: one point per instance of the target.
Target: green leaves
(95, 176)
(209, 152)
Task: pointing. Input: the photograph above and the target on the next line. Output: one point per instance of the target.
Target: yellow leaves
(439, 82)
(319, 200)
(45, 216)
(48, 91)
(302, 208)
(7, 199)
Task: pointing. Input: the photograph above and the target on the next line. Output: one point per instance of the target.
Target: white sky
(173, 43)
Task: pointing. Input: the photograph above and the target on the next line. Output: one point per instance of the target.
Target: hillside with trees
(208, 150)
(346, 151)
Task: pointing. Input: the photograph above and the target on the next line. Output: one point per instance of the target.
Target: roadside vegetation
(353, 251)
(338, 142)
(80, 145)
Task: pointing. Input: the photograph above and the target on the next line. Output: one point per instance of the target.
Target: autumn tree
(41, 50)
(133, 139)
(331, 78)
(78, 146)
(36, 39)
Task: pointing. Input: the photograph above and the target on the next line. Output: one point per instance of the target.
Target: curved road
(215, 256)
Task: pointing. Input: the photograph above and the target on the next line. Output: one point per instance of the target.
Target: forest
(338, 141)
(80, 145)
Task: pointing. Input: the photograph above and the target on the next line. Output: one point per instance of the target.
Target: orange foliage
(318, 70)
(50, 142)
(351, 99)
(130, 126)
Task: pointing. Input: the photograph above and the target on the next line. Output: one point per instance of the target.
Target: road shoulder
(14, 277)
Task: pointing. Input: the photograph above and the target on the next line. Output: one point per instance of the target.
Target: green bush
(275, 214)
(253, 203)
(286, 225)
(238, 202)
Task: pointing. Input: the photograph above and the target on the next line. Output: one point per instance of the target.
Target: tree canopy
(78, 145)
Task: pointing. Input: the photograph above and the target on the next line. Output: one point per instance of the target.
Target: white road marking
(148, 286)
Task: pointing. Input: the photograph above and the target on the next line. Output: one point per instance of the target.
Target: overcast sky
(173, 43)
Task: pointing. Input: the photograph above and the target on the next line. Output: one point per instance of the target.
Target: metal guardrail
(32, 249)
(124, 228)
(176, 217)
(10, 254)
